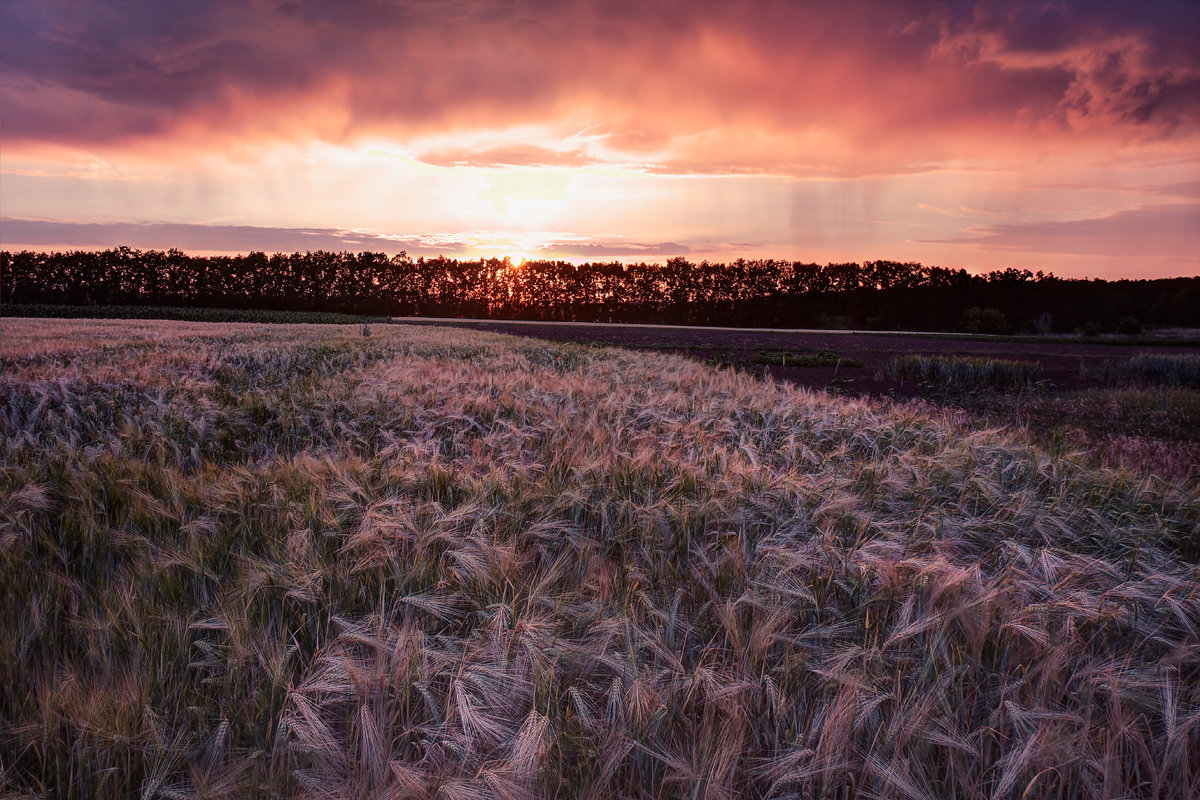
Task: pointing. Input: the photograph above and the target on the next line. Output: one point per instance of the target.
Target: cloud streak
(63, 234)
(1167, 230)
(510, 156)
(203, 238)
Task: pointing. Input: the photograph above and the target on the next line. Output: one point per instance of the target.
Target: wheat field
(297, 561)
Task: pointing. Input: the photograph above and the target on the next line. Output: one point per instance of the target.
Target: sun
(518, 248)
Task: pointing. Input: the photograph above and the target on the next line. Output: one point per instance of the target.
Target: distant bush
(1129, 326)
(834, 322)
(1150, 369)
(182, 314)
(965, 373)
(984, 320)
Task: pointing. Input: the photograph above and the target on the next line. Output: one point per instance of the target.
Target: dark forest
(878, 295)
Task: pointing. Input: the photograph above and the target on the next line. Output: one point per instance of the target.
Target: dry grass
(289, 561)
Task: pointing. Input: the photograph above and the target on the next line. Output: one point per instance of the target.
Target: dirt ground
(1061, 360)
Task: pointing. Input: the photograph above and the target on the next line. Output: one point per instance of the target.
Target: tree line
(878, 295)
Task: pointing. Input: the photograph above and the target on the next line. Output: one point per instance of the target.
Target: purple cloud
(43, 234)
(1156, 231)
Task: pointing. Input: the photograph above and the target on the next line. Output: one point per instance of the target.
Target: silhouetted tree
(874, 294)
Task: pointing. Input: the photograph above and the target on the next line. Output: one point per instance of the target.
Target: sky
(984, 134)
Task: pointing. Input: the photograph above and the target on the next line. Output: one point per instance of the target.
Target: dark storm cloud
(1133, 62)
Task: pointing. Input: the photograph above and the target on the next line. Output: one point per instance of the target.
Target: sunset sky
(1062, 136)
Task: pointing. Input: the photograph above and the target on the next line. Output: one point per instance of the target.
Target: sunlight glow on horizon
(958, 133)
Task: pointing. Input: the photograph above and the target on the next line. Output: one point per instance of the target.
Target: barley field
(331, 562)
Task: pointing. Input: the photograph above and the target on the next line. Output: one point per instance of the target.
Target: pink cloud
(860, 86)
(506, 156)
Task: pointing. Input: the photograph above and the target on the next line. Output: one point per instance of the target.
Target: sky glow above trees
(1057, 136)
